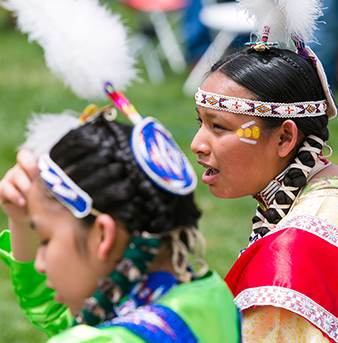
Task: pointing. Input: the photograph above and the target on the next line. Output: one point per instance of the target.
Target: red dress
(295, 268)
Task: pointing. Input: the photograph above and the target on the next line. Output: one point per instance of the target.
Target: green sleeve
(35, 298)
(89, 334)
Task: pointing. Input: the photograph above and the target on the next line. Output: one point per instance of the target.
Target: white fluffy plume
(45, 130)
(85, 44)
(284, 17)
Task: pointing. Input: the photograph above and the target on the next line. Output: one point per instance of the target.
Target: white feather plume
(45, 130)
(85, 44)
(284, 17)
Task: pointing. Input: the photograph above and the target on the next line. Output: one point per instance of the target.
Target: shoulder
(331, 170)
(206, 303)
(189, 293)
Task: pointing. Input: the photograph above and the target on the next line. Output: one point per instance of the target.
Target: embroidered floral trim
(290, 300)
(260, 108)
(317, 226)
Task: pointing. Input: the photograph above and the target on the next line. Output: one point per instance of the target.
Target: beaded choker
(260, 108)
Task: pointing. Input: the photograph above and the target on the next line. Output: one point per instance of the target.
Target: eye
(43, 242)
(199, 121)
(219, 127)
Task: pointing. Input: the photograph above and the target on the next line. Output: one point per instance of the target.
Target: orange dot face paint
(249, 132)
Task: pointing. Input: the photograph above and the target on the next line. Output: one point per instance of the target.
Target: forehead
(229, 119)
(219, 83)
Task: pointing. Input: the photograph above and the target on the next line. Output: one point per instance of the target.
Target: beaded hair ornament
(85, 28)
(277, 13)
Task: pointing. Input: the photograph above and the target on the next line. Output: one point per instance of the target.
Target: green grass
(27, 86)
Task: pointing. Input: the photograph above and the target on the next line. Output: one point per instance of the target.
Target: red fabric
(293, 259)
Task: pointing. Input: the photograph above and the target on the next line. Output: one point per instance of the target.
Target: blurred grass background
(27, 86)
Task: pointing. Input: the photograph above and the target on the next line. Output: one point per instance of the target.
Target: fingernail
(21, 201)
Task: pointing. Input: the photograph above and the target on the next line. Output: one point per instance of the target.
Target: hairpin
(263, 44)
(65, 189)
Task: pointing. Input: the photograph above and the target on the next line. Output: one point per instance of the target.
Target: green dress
(200, 311)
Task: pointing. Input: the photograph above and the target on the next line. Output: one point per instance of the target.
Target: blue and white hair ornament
(155, 150)
(64, 189)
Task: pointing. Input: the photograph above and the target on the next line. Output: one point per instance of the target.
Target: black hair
(98, 158)
(281, 76)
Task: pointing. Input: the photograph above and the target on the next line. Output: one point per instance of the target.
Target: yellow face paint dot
(247, 133)
(256, 132)
(240, 132)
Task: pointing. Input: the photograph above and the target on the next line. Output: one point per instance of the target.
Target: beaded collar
(266, 196)
(148, 290)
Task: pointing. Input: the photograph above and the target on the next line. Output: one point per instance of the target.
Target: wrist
(24, 241)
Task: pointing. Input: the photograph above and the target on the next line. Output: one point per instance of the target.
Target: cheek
(239, 158)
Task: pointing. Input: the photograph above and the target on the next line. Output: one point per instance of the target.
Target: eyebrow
(217, 116)
(211, 115)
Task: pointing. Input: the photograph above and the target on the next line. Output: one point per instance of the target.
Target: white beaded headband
(260, 108)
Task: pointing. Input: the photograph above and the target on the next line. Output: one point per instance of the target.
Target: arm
(18, 249)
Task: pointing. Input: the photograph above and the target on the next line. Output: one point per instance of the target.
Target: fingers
(28, 163)
(15, 185)
(11, 194)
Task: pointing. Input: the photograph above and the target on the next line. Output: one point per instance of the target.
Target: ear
(105, 228)
(288, 134)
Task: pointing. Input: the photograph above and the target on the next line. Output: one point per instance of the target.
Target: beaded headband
(65, 189)
(260, 108)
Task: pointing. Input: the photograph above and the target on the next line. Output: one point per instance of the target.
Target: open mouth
(209, 175)
(211, 171)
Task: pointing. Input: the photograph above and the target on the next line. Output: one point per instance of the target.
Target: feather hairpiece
(286, 18)
(85, 45)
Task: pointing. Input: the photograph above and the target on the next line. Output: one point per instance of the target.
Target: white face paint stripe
(244, 126)
(245, 140)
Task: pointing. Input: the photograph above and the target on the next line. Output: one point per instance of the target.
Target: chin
(217, 192)
(74, 310)
(222, 194)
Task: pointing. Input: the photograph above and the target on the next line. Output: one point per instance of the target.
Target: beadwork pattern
(63, 188)
(155, 323)
(260, 108)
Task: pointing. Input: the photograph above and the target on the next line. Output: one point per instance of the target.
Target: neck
(163, 260)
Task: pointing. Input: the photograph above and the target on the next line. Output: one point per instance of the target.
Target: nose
(39, 264)
(199, 144)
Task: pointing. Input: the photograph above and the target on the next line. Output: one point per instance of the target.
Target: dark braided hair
(98, 158)
(282, 76)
